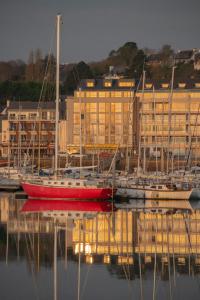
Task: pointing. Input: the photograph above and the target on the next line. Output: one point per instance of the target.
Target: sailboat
(59, 187)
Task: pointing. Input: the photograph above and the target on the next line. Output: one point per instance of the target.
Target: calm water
(129, 253)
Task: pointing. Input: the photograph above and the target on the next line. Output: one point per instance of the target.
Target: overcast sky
(92, 28)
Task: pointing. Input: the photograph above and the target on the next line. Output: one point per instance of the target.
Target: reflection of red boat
(32, 206)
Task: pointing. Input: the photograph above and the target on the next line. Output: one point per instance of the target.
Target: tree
(137, 65)
(39, 66)
(167, 54)
(78, 72)
(127, 52)
(30, 68)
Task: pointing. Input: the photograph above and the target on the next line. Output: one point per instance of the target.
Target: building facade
(29, 130)
(170, 122)
(100, 115)
(154, 121)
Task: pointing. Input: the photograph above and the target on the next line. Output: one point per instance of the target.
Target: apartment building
(154, 121)
(100, 115)
(29, 130)
(170, 122)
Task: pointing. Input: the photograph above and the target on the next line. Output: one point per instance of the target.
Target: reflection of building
(17, 222)
(126, 234)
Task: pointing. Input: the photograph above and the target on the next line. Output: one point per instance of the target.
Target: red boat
(68, 189)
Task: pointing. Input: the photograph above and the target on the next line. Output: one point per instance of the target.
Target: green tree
(78, 72)
(30, 68)
(39, 66)
(137, 65)
(127, 52)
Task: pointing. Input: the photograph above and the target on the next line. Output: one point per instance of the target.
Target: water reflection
(150, 242)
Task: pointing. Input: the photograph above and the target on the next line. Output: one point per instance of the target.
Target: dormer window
(108, 83)
(90, 83)
(148, 85)
(126, 83)
(197, 85)
(182, 85)
(165, 85)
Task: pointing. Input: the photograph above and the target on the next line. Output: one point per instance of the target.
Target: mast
(58, 22)
(80, 134)
(140, 121)
(170, 119)
(144, 137)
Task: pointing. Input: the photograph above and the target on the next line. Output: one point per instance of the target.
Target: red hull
(60, 205)
(41, 191)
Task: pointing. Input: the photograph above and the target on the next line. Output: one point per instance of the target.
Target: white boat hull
(167, 195)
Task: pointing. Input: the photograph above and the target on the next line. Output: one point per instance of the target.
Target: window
(116, 94)
(182, 85)
(108, 83)
(148, 85)
(90, 83)
(91, 94)
(79, 94)
(102, 107)
(44, 115)
(76, 107)
(32, 116)
(93, 107)
(126, 83)
(52, 115)
(165, 85)
(128, 94)
(12, 116)
(197, 85)
(102, 94)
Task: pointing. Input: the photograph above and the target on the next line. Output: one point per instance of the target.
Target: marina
(99, 153)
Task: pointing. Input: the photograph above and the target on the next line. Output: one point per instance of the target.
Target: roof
(99, 84)
(31, 105)
(157, 57)
(33, 206)
(185, 54)
(197, 57)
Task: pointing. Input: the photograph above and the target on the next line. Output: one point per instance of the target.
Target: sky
(91, 28)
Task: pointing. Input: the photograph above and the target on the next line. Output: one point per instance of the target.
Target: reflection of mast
(7, 243)
(55, 261)
(79, 261)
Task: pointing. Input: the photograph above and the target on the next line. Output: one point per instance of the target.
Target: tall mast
(58, 22)
(144, 136)
(170, 119)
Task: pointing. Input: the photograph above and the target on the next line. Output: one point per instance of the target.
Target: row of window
(104, 94)
(32, 116)
(109, 83)
(102, 107)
